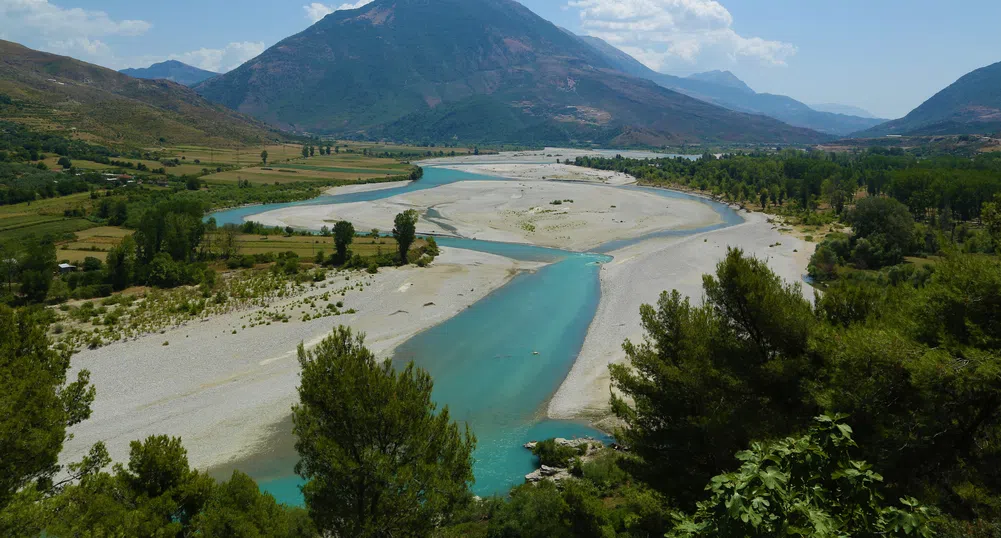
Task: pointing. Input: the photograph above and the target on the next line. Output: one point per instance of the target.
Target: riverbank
(547, 172)
(569, 216)
(365, 187)
(223, 386)
(637, 275)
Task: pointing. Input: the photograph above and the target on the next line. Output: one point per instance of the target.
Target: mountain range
(173, 70)
(724, 89)
(470, 71)
(970, 105)
(58, 92)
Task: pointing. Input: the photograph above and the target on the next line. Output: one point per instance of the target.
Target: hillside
(468, 71)
(837, 108)
(724, 89)
(51, 92)
(172, 70)
(971, 105)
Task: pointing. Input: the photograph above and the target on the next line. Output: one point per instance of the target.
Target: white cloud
(317, 11)
(28, 18)
(221, 60)
(676, 34)
(70, 31)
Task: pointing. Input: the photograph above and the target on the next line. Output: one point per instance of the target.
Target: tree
(344, 234)
(121, 262)
(305, 152)
(37, 267)
(312, 151)
(65, 162)
(228, 243)
(709, 379)
(990, 214)
(886, 225)
(155, 494)
(38, 403)
(405, 232)
(377, 458)
(239, 508)
(806, 486)
(264, 157)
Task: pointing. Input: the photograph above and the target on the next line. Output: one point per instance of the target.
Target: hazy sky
(883, 55)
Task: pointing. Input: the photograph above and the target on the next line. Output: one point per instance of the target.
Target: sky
(886, 56)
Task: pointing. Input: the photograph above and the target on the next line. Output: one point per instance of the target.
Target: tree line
(803, 181)
(869, 412)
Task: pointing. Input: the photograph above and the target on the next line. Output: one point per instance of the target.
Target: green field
(319, 168)
(245, 156)
(43, 217)
(308, 246)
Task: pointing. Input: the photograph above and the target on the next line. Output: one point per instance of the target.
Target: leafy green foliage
(378, 458)
(916, 369)
(37, 404)
(803, 486)
(709, 379)
(554, 455)
(405, 232)
(238, 508)
(344, 234)
(158, 494)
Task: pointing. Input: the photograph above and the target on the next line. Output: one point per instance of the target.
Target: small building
(66, 268)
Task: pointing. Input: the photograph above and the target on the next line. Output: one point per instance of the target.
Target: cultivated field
(308, 246)
(93, 242)
(43, 217)
(335, 167)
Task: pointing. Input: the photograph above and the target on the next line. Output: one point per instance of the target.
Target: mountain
(722, 78)
(971, 105)
(58, 92)
(174, 70)
(724, 89)
(469, 71)
(848, 110)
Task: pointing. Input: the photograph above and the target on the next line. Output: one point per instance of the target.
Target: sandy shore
(222, 393)
(365, 187)
(547, 172)
(546, 155)
(637, 275)
(515, 211)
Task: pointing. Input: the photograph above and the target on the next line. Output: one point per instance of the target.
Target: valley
(499, 269)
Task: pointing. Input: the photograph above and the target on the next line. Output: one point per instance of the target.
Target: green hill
(971, 105)
(171, 70)
(468, 71)
(51, 92)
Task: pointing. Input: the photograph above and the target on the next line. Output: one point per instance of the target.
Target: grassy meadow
(307, 246)
(319, 168)
(43, 217)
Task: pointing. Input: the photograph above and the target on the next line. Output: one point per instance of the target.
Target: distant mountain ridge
(971, 105)
(848, 110)
(469, 71)
(724, 89)
(172, 70)
(722, 78)
(58, 92)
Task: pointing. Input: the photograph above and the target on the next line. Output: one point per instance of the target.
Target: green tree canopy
(378, 459)
(707, 380)
(405, 232)
(344, 234)
(807, 486)
(37, 404)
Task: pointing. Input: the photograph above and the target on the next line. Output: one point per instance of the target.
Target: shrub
(554, 455)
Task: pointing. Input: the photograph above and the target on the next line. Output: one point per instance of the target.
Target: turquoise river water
(497, 363)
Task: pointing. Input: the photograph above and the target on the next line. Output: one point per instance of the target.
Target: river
(496, 364)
